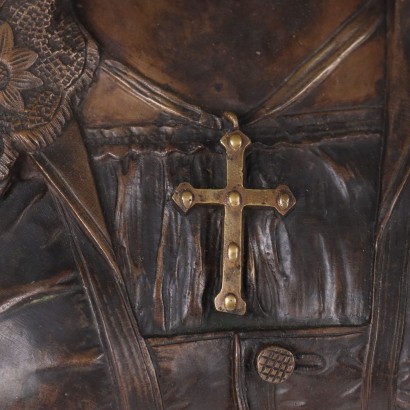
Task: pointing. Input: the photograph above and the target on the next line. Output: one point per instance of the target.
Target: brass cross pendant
(234, 197)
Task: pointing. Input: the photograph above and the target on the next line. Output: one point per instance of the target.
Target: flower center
(4, 76)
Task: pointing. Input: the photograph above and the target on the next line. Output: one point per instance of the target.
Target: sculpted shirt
(309, 268)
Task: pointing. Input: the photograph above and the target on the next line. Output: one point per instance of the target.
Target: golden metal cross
(234, 197)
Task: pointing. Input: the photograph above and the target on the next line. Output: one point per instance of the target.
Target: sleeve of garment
(47, 61)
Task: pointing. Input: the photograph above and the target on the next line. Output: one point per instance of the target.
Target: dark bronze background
(107, 286)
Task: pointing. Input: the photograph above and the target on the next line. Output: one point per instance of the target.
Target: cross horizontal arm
(280, 198)
(186, 197)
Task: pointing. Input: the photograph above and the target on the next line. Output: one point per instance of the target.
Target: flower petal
(20, 58)
(11, 99)
(23, 80)
(6, 38)
(1, 99)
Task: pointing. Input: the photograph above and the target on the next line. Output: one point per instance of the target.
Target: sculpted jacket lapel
(386, 375)
(66, 169)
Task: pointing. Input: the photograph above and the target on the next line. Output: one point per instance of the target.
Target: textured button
(275, 364)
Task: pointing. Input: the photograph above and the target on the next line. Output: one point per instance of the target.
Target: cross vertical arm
(229, 299)
(235, 144)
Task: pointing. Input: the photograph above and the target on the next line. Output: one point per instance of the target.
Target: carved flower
(13, 75)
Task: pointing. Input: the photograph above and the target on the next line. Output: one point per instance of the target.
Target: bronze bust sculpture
(204, 204)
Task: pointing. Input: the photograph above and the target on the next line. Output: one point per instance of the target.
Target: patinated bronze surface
(163, 163)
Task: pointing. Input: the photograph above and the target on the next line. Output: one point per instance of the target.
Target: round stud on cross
(187, 198)
(230, 302)
(234, 198)
(233, 252)
(283, 201)
(235, 141)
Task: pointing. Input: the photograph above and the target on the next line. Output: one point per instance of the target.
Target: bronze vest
(123, 218)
